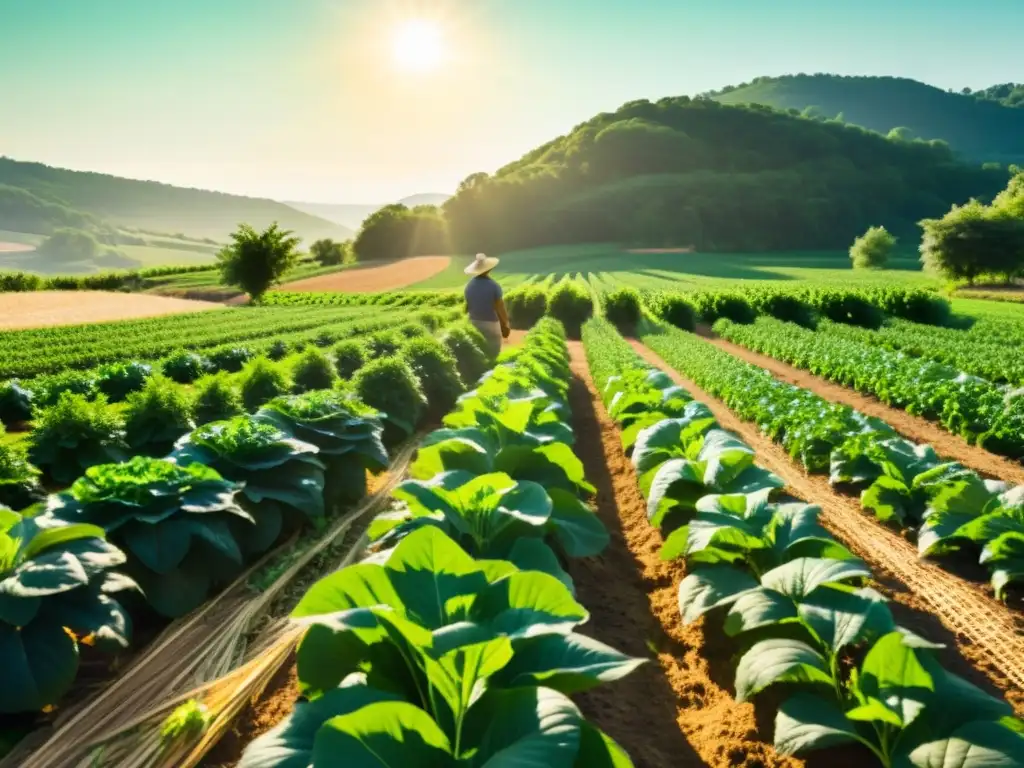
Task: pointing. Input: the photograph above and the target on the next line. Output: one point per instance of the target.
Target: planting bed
(40, 309)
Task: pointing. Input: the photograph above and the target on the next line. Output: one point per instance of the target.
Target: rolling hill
(981, 126)
(352, 215)
(151, 206)
(693, 172)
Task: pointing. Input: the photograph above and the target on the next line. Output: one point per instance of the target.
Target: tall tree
(255, 261)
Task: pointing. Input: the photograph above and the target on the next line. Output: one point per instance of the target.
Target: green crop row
(795, 600)
(976, 409)
(437, 299)
(568, 300)
(454, 644)
(904, 484)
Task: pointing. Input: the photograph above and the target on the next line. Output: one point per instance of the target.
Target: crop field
(729, 510)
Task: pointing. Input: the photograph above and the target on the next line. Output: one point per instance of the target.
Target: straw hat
(482, 263)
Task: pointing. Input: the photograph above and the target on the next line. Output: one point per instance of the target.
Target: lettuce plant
(283, 480)
(19, 480)
(118, 380)
(432, 658)
(348, 434)
(57, 588)
(174, 522)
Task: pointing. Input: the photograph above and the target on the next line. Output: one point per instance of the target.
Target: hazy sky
(306, 99)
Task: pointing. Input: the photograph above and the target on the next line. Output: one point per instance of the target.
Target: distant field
(687, 271)
(161, 256)
(39, 309)
(371, 279)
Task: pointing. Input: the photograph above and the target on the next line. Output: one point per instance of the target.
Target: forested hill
(156, 207)
(695, 172)
(982, 126)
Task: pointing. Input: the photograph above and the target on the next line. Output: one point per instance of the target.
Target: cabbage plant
(57, 591)
(432, 658)
(283, 480)
(174, 522)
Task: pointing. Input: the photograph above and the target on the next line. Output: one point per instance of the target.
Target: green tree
(257, 260)
(396, 232)
(974, 240)
(328, 252)
(871, 250)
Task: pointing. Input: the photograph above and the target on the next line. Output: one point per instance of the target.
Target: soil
(985, 640)
(16, 248)
(374, 279)
(39, 309)
(919, 430)
(672, 711)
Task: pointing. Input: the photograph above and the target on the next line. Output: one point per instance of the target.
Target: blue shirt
(481, 293)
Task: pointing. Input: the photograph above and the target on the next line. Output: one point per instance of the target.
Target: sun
(418, 45)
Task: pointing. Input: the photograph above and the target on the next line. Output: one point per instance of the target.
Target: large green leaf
(536, 555)
(387, 734)
(91, 614)
(598, 750)
(806, 722)
(352, 587)
(889, 499)
(180, 590)
(527, 604)
(40, 663)
(758, 609)
(798, 578)
(712, 587)
(325, 657)
(675, 480)
(568, 663)
(983, 744)
(160, 547)
(578, 531)
(779, 660)
(47, 574)
(452, 454)
(893, 675)
(840, 617)
(522, 728)
(49, 538)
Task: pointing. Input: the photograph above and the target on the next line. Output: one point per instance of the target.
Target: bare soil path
(39, 309)
(919, 430)
(374, 279)
(674, 711)
(988, 637)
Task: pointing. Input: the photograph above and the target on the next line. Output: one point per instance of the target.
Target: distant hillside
(693, 172)
(983, 129)
(1007, 94)
(156, 207)
(352, 216)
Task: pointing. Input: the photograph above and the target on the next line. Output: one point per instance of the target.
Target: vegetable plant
(313, 370)
(217, 398)
(437, 370)
(349, 357)
(261, 381)
(389, 385)
(157, 416)
(76, 434)
(118, 380)
(19, 480)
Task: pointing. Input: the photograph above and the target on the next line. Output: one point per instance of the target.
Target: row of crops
(951, 508)
(791, 597)
(976, 409)
(158, 533)
(455, 642)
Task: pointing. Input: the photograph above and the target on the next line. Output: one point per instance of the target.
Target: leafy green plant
(217, 399)
(713, 305)
(382, 344)
(437, 370)
(526, 306)
(76, 434)
(57, 587)
(468, 346)
(622, 308)
(157, 416)
(673, 308)
(48, 390)
(348, 434)
(118, 380)
(349, 357)
(278, 350)
(15, 403)
(173, 521)
(571, 304)
(283, 477)
(230, 359)
(488, 659)
(188, 720)
(313, 370)
(389, 385)
(262, 381)
(19, 480)
(184, 366)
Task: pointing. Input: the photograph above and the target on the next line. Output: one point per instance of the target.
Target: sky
(351, 101)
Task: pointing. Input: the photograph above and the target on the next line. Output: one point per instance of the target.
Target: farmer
(484, 303)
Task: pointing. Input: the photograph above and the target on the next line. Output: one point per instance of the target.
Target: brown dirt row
(39, 309)
(984, 638)
(374, 279)
(675, 710)
(913, 428)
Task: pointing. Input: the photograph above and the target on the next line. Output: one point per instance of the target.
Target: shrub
(871, 250)
(313, 370)
(230, 359)
(278, 350)
(526, 306)
(157, 416)
(622, 308)
(852, 308)
(48, 389)
(217, 398)
(430, 320)
(712, 305)
(118, 380)
(75, 434)
(438, 372)
(673, 309)
(19, 480)
(262, 381)
(915, 304)
(390, 386)
(184, 366)
(382, 344)
(783, 305)
(572, 304)
(412, 330)
(349, 357)
(15, 403)
(467, 345)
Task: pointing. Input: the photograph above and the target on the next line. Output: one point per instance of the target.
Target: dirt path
(374, 279)
(674, 711)
(919, 430)
(38, 309)
(985, 633)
